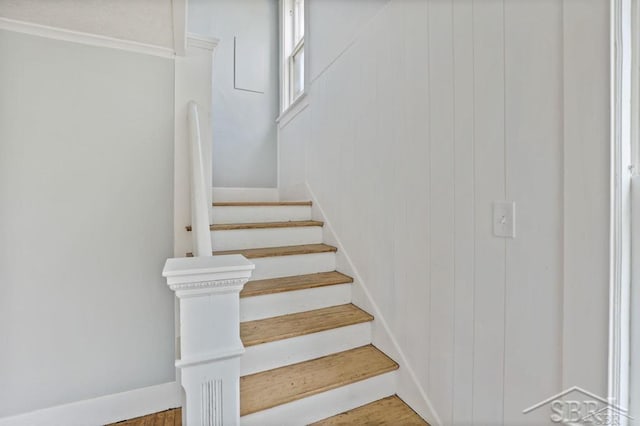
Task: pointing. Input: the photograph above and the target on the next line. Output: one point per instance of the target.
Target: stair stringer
(408, 386)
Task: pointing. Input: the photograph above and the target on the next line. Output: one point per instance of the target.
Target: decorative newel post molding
(208, 290)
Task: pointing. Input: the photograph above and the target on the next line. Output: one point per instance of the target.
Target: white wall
(435, 110)
(346, 20)
(86, 169)
(244, 129)
(144, 21)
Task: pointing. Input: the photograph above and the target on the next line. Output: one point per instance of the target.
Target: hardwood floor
(164, 418)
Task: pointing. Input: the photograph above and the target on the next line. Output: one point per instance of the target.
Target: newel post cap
(207, 274)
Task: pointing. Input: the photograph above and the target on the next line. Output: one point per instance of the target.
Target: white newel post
(210, 347)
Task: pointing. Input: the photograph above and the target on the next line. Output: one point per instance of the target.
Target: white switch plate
(504, 219)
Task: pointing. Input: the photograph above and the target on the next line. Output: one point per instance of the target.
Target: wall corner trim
(105, 409)
(55, 33)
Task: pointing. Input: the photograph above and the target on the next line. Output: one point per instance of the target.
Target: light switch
(504, 219)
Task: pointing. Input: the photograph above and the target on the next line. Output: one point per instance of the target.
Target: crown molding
(202, 42)
(84, 38)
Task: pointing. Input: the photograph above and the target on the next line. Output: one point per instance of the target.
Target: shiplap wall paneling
(586, 193)
(435, 110)
(533, 300)
(464, 283)
(441, 214)
(489, 174)
(412, 189)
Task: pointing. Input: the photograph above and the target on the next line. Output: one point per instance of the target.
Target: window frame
(289, 48)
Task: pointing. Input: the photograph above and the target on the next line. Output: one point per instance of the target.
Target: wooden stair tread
(262, 225)
(262, 203)
(296, 282)
(271, 388)
(280, 251)
(172, 417)
(387, 411)
(292, 325)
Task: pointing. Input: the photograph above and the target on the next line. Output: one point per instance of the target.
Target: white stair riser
(325, 404)
(268, 237)
(286, 266)
(290, 302)
(252, 214)
(276, 354)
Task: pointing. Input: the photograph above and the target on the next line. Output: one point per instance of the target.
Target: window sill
(292, 110)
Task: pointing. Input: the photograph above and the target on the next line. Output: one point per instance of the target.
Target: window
(292, 51)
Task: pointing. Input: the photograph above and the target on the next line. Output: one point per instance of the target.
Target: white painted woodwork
(634, 376)
(208, 291)
(87, 38)
(585, 172)
(294, 109)
(193, 82)
(284, 352)
(143, 22)
(432, 112)
(222, 194)
(104, 409)
(409, 387)
(200, 194)
(233, 214)
(490, 178)
(533, 170)
(290, 302)
(464, 210)
(292, 144)
(441, 110)
(266, 237)
(347, 18)
(325, 404)
(622, 165)
(286, 266)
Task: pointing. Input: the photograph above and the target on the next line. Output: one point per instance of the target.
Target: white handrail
(199, 198)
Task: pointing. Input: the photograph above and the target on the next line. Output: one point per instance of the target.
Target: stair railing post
(208, 291)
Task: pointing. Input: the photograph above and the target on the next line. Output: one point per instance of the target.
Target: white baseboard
(408, 386)
(104, 409)
(220, 194)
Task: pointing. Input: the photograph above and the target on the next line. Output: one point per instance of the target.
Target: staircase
(309, 357)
